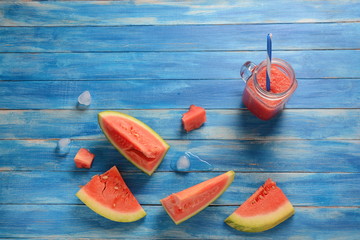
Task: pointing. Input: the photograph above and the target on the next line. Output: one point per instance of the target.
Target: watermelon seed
(105, 177)
(265, 192)
(261, 196)
(116, 187)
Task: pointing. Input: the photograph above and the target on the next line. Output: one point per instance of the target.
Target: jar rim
(286, 67)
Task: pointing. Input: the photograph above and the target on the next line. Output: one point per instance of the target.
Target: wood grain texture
(179, 38)
(238, 155)
(302, 189)
(171, 12)
(152, 59)
(221, 124)
(22, 221)
(126, 94)
(170, 65)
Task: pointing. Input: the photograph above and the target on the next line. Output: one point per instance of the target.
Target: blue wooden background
(152, 59)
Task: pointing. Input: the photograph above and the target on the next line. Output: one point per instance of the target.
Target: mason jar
(262, 103)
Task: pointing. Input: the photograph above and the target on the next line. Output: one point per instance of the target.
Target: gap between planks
(159, 205)
(190, 51)
(192, 139)
(164, 79)
(126, 172)
(183, 24)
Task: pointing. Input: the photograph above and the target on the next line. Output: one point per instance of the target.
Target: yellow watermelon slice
(136, 141)
(265, 209)
(108, 195)
(187, 203)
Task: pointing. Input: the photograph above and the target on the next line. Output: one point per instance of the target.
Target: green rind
(167, 146)
(108, 213)
(242, 224)
(231, 175)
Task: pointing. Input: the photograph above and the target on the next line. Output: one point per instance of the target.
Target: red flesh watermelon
(108, 195)
(84, 158)
(185, 204)
(265, 209)
(136, 141)
(194, 118)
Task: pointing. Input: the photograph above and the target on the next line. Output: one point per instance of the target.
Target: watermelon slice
(265, 209)
(187, 203)
(136, 141)
(194, 118)
(84, 158)
(108, 195)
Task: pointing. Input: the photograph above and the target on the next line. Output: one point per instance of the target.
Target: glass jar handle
(247, 70)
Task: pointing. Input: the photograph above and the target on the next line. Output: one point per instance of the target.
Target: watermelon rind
(262, 222)
(103, 114)
(230, 174)
(263, 210)
(107, 212)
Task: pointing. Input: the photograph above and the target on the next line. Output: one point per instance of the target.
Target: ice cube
(190, 162)
(85, 98)
(183, 163)
(63, 146)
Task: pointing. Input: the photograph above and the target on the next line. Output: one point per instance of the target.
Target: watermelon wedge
(83, 158)
(194, 118)
(108, 195)
(136, 141)
(265, 209)
(187, 203)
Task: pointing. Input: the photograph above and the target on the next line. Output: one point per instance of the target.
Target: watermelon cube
(84, 158)
(194, 118)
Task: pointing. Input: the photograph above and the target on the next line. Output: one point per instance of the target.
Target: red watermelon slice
(84, 158)
(194, 118)
(108, 195)
(265, 209)
(136, 141)
(185, 204)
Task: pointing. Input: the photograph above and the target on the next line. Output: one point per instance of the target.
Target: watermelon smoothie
(266, 104)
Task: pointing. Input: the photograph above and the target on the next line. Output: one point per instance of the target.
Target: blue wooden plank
(302, 189)
(72, 221)
(221, 124)
(179, 38)
(169, 65)
(311, 93)
(174, 12)
(184, 50)
(249, 156)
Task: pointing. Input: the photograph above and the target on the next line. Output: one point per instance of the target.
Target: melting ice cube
(183, 163)
(85, 98)
(63, 146)
(190, 162)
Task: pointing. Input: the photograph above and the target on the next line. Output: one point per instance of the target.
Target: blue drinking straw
(268, 64)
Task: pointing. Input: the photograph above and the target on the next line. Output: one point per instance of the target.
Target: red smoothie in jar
(266, 104)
